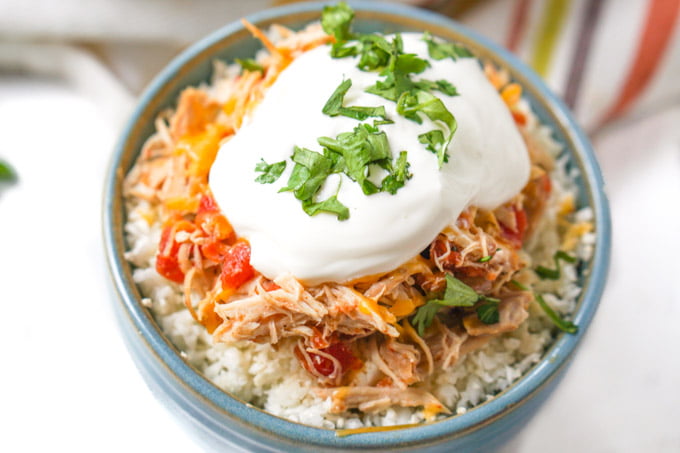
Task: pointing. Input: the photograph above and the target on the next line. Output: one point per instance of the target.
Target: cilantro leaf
(411, 104)
(333, 106)
(443, 86)
(441, 50)
(342, 49)
(334, 103)
(361, 113)
(519, 285)
(565, 326)
(488, 313)
(364, 146)
(434, 141)
(399, 175)
(425, 316)
(309, 173)
(337, 19)
(456, 294)
(330, 205)
(249, 64)
(270, 172)
(410, 63)
(374, 51)
(7, 173)
(554, 274)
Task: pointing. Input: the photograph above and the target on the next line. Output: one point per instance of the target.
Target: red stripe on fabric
(519, 20)
(658, 28)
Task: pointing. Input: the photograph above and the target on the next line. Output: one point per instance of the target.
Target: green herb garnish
(270, 172)
(566, 326)
(488, 258)
(7, 173)
(457, 294)
(411, 104)
(554, 274)
(330, 205)
(309, 173)
(364, 146)
(337, 19)
(400, 174)
(441, 50)
(334, 107)
(357, 153)
(249, 64)
(434, 141)
(488, 313)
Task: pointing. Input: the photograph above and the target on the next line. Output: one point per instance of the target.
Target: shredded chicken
(512, 312)
(375, 399)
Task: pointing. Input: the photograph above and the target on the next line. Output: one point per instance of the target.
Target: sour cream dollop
(488, 165)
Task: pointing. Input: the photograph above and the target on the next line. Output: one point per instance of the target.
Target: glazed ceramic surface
(224, 423)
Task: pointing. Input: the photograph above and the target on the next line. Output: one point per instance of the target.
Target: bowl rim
(522, 390)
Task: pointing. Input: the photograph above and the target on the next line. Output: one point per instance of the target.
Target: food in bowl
(356, 230)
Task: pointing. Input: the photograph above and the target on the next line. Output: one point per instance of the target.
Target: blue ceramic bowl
(224, 423)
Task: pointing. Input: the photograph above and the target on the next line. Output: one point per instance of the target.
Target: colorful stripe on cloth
(606, 58)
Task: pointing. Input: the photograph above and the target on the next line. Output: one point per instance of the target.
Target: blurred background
(70, 72)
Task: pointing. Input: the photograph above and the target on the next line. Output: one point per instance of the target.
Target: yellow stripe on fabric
(553, 19)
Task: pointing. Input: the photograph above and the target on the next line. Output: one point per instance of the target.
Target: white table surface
(68, 383)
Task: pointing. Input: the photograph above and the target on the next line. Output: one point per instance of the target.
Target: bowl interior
(194, 66)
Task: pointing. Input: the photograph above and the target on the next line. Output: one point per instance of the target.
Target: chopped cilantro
(374, 52)
(424, 317)
(456, 294)
(7, 173)
(396, 180)
(487, 258)
(334, 107)
(330, 205)
(249, 64)
(270, 172)
(337, 19)
(441, 50)
(566, 326)
(360, 148)
(488, 313)
(434, 141)
(309, 173)
(443, 86)
(411, 104)
(519, 285)
(554, 274)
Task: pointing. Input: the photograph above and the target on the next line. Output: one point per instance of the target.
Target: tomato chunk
(211, 221)
(168, 267)
(342, 353)
(236, 268)
(167, 263)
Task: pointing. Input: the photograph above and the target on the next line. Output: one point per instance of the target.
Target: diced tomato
(342, 353)
(516, 236)
(519, 118)
(167, 263)
(215, 250)
(236, 268)
(168, 267)
(211, 221)
(438, 250)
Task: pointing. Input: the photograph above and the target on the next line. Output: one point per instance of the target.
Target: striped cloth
(608, 59)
